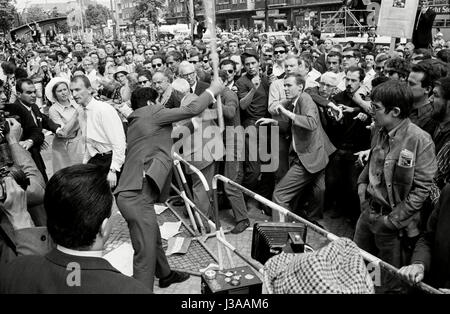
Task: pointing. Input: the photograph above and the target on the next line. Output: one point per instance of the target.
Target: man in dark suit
(80, 226)
(144, 177)
(167, 96)
(32, 121)
(422, 34)
(187, 71)
(311, 149)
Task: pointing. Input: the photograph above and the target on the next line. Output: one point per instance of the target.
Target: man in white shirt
(102, 129)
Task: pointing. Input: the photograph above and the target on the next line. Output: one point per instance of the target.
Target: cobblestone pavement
(242, 242)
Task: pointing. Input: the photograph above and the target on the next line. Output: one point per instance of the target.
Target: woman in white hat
(67, 148)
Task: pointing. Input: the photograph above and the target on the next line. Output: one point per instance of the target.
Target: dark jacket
(200, 88)
(58, 272)
(433, 248)
(33, 130)
(311, 143)
(149, 143)
(422, 35)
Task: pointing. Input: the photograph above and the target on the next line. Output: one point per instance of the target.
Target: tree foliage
(150, 9)
(7, 15)
(97, 15)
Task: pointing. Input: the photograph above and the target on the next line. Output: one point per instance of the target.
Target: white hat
(49, 88)
(120, 69)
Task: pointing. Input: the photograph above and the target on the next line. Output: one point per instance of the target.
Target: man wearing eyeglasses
(188, 72)
(229, 67)
(167, 96)
(145, 79)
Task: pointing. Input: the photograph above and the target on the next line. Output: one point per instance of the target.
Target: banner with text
(397, 18)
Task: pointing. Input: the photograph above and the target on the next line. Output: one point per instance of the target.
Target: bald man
(167, 96)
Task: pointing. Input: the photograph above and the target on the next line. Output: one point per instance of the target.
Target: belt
(104, 154)
(378, 208)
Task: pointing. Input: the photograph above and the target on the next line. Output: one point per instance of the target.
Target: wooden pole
(210, 13)
(191, 17)
(392, 46)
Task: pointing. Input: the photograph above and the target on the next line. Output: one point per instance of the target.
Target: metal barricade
(284, 212)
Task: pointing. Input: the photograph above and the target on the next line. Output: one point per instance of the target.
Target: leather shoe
(241, 226)
(174, 277)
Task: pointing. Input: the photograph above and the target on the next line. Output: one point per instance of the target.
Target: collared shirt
(193, 87)
(30, 110)
(79, 253)
(103, 132)
(377, 183)
(293, 137)
(278, 70)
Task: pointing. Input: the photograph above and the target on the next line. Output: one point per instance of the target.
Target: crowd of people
(353, 129)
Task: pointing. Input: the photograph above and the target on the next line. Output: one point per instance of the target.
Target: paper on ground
(159, 209)
(169, 229)
(178, 245)
(122, 258)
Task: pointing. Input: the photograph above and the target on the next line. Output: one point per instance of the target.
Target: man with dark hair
(145, 179)
(253, 91)
(32, 121)
(229, 66)
(350, 135)
(396, 181)
(420, 54)
(421, 81)
(422, 35)
(397, 69)
(80, 227)
(279, 53)
(173, 60)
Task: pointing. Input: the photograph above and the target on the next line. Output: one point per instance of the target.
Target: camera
(7, 167)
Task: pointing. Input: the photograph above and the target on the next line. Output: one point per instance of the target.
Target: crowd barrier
(283, 212)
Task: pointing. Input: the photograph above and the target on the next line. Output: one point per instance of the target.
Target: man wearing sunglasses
(279, 54)
(118, 58)
(158, 63)
(229, 67)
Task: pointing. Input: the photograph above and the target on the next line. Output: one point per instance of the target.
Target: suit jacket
(422, 34)
(433, 247)
(33, 130)
(174, 100)
(53, 273)
(200, 88)
(199, 147)
(149, 143)
(312, 145)
(321, 64)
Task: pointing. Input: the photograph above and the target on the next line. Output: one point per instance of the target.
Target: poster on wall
(397, 18)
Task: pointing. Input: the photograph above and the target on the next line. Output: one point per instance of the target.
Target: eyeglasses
(193, 62)
(156, 65)
(267, 56)
(187, 74)
(230, 71)
(379, 68)
(143, 82)
(117, 56)
(279, 52)
(374, 108)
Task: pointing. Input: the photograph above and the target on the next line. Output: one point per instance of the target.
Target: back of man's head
(77, 201)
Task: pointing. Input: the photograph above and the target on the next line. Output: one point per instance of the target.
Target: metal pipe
(367, 256)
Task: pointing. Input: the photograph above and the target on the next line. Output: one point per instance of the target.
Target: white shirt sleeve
(113, 129)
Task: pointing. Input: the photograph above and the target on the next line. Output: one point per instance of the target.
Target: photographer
(21, 213)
